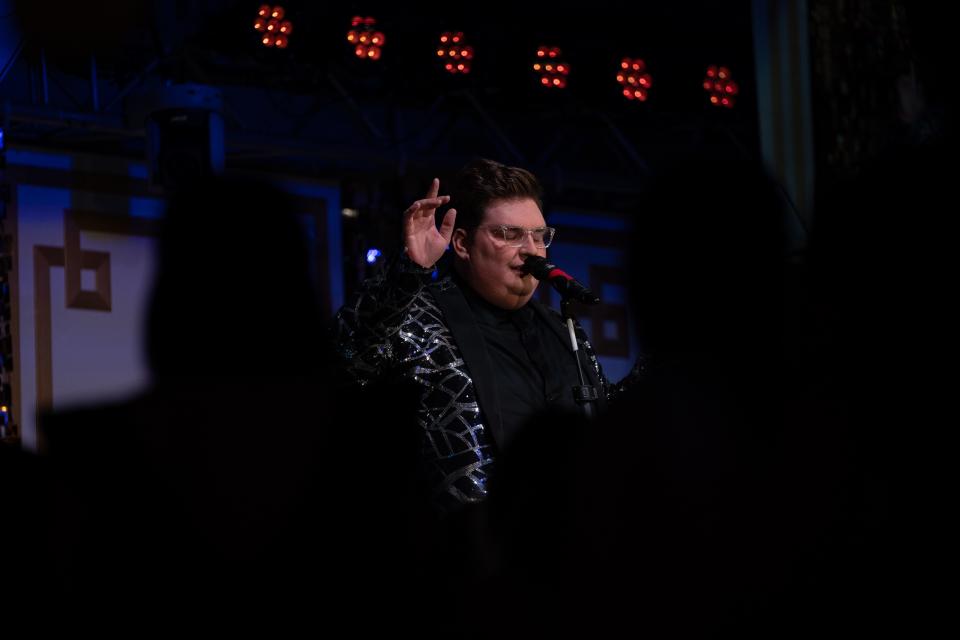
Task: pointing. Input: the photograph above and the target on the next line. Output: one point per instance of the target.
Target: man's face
(489, 264)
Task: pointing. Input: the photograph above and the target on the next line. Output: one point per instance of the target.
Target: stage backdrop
(592, 247)
(83, 235)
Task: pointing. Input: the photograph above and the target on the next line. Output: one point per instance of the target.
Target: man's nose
(529, 247)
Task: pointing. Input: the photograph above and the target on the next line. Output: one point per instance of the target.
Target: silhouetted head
(707, 258)
(233, 293)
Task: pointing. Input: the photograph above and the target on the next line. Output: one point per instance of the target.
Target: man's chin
(521, 296)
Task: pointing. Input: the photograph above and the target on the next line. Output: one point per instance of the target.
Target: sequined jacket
(405, 324)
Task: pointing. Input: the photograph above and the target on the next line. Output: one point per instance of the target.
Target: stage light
(461, 54)
(372, 255)
(368, 40)
(720, 86)
(552, 74)
(634, 78)
(270, 23)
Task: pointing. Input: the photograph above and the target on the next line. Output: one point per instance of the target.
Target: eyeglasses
(516, 236)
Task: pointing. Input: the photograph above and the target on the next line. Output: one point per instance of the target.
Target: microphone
(543, 269)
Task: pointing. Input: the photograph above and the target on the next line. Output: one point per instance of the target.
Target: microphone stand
(585, 394)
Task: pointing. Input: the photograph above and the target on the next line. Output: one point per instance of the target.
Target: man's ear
(459, 243)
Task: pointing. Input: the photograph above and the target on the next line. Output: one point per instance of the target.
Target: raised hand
(425, 243)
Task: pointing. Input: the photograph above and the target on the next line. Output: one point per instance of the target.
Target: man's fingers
(433, 203)
(446, 227)
(424, 208)
(434, 189)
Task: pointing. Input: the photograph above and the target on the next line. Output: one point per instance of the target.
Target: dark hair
(482, 182)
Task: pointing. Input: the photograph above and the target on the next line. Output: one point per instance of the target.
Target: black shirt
(535, 368)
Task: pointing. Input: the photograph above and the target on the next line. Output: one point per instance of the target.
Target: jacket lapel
(466, 332)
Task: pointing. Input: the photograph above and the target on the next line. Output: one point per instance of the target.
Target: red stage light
(552, 74)
(459, 53)
(636, 82)
(269, 23)
(369, 41)
(720, 87)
